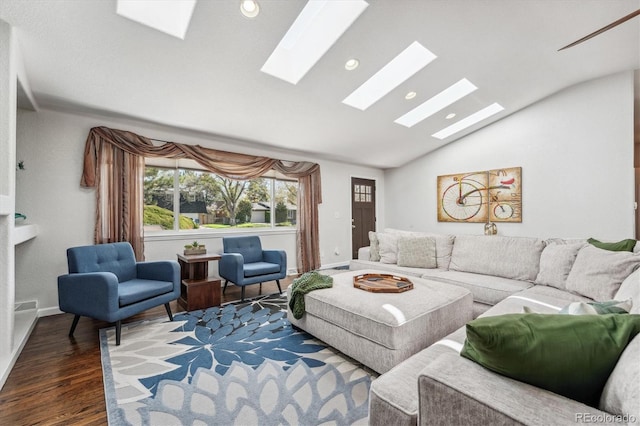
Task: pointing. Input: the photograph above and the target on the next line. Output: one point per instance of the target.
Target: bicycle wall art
(485, 196)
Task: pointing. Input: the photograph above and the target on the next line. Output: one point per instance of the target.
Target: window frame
(177, 233)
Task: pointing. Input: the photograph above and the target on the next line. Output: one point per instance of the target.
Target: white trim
(215, 233)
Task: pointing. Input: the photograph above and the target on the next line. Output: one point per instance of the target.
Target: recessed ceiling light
(469, 121)
(249, 8)
(315, 30)
(169, 16)
(442, 100)
(410, 95)
(407, 63)
(351, 64)
(450, 116)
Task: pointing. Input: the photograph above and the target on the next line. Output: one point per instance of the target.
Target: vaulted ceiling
(82, 56)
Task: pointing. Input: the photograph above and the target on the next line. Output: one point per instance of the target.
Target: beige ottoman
(382, 329)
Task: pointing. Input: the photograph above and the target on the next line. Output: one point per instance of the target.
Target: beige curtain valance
(104, 144)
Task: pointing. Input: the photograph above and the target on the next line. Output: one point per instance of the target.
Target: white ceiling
(80, 55)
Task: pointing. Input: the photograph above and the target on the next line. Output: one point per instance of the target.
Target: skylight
(469, 121)
(169, 16)
(407, 63)
(320, 24)
(442, 100)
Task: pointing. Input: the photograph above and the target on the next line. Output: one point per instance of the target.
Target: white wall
(576, 153)
(51, 143)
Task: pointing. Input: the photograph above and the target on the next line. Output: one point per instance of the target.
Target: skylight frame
(318, 26)
(397, 71)
(168, 16)
(437, 103)
(469, 121)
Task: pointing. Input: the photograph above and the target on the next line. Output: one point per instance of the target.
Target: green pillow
(571, 355)
(624, 245)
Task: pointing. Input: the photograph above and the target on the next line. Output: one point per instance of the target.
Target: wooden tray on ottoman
(382, 283)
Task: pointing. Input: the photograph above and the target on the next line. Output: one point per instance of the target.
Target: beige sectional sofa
(504, 275)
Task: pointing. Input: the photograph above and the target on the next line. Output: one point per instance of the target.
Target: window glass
(209, 201)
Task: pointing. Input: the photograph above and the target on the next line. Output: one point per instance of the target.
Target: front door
(363, 212)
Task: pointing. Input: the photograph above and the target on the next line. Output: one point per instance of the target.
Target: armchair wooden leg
(73, 325)
(279, 289)
(242, 294)
(260, 291)
(225, 286)
(168, 308)
(118, 332)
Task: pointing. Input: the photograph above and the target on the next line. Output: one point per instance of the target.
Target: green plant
(194, 245)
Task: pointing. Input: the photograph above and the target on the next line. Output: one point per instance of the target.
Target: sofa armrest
(93, 294)
(364, 253)
(230, 267)
(162, 270)
(455, 390)
(276, 256)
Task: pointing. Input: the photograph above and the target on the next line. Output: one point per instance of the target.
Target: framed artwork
(485, 196)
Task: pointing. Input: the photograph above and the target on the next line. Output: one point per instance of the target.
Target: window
(204, 200)
(362, 194)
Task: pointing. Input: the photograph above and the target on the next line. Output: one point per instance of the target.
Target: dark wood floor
(57, 380)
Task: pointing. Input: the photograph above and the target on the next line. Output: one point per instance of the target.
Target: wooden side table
(197, 290)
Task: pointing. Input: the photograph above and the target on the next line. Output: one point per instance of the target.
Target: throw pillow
(624, 245)
(620, 394)
(571, 355)
(598, 308)
(590, 308)
(388, 248)
(597, 274)
(374, 247)
(444, 244)
(417, 252)
(630, 289)
(556, 261)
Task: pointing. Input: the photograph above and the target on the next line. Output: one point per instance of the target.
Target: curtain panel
(114, 164)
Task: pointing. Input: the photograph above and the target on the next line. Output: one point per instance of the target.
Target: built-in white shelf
(6, 205)
(24, 321)
(22, 233)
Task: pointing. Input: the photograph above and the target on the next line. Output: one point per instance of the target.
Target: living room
(575, 146)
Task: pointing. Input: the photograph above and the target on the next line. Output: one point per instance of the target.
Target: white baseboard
(54, 310)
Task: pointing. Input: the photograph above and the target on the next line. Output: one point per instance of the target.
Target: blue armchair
(244, 262)
(106, 283)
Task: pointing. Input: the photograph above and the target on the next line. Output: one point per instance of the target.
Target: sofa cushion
(517, 258)
(571, 355)
(357, 265)
(135, 290)
(444, 244)
(388, 244)
(624, 245)
(622, 390)
(486, 289)
(374, 247)
(556, 261)
(260, 268)
(598, 273)
(630, 289)
(417, 252)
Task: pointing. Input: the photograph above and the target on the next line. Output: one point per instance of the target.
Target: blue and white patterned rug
(242, 364)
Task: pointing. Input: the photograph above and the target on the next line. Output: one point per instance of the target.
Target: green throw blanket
(307, 282)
